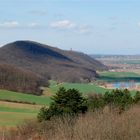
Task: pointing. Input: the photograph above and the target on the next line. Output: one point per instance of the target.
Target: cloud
(139, 23)
(85, 29)
(63, 24)
(17, 25)
(67, 25)
(34, 25)
(9, 24)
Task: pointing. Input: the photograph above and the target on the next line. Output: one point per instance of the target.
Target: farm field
(11, 119)
(12, 113)
(83, 88)
(118, 76)
(14, 96)
(131, 62)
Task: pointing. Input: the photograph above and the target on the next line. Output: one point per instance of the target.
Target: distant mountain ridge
(50, 62)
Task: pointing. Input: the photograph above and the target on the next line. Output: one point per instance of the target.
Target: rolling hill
(50, 62)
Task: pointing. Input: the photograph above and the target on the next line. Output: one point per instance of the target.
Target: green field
(14, 96)
(83, 88)
(11, 119)
(118, 76)
(18, 110)
(12, 114)
(130, 62)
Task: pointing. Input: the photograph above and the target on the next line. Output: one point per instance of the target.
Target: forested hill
(50, 62)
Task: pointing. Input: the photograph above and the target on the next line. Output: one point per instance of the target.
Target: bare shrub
(91, 126)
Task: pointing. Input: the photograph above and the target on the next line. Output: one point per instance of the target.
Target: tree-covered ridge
(16, 79)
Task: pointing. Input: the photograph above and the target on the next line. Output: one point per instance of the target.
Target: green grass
(11, 116)
(14, 116)
(10, 119)
(14, 96)
(84, 88)
(20, 110)
(91, 87)
(118, 76)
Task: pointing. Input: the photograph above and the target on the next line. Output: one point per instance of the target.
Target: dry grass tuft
(91, 126)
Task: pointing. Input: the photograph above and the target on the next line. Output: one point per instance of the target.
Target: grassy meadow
(83, 88)
(13, 113)
(118, 76)
(16, 96)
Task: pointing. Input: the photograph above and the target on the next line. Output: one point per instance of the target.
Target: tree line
(16, 79)
(71, 102)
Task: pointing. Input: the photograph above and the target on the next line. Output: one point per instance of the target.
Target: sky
(89, 26)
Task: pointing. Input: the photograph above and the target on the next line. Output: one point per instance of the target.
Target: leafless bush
(91, 126)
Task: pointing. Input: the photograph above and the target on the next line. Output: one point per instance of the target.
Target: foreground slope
(50, 62)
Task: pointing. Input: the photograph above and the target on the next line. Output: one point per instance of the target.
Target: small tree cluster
(64, 102)
(72, 102)
(95, 102)
(118, 99)
(137, 97)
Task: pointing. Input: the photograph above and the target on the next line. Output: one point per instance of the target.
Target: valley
(24, 106)
(69, 70)
(92, 78)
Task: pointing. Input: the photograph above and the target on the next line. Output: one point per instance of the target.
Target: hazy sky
(90, 26)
